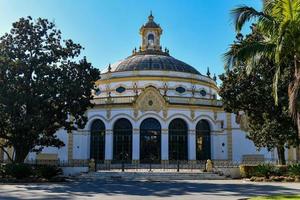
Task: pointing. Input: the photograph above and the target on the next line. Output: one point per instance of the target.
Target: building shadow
(90, 188)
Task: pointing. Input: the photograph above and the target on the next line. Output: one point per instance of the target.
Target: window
(203, 145)
(98, 92)
(178, 148)
(120, 89)
(180, 89)
(97, 141)
(150, 37)
(150, 141)
(122, 147)
(203, 92)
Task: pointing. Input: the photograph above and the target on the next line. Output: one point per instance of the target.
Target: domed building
(152, 107)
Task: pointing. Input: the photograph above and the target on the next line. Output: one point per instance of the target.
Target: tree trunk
(20, 154)
(281, 156)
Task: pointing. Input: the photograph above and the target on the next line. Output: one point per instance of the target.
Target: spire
(215, 77)
(208, 72)
(109, 68)
(150, 17)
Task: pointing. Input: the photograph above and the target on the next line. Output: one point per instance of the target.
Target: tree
(44, 86)
(269, 125)
(279, 25)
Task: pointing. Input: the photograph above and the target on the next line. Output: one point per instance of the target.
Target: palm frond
(255, 50)
(229, 57)
(243, 14)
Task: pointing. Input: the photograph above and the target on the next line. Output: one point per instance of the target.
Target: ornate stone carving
(215, 115)
(151, 100)
(135, 113)
(165, 113)
(242, 120)
(108, 113)
(193, 114)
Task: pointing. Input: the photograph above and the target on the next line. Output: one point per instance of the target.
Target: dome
(152, 62)
(150, 55)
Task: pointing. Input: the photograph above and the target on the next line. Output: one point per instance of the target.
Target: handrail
(171, 100)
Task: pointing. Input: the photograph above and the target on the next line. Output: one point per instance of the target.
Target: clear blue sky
(197, 32)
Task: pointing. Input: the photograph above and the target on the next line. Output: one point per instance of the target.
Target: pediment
(150, 100)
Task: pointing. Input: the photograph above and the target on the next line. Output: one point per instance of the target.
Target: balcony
(170, 100)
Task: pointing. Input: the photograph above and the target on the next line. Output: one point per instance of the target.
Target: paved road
(121, 190)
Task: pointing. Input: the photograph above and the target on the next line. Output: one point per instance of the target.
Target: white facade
(150, 84)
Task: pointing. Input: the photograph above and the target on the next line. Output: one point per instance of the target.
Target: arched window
(150, 140)
(178, 148)
(203, 145)
(122, 132)
(97, 141)
(150, 39)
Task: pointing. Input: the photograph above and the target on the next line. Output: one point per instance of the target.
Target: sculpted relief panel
(151, 100)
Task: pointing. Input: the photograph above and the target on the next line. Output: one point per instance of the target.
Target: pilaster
(70, 146)
(108, 144)
(229, 136)
(192, 144)
(164, 145)
(136, 145)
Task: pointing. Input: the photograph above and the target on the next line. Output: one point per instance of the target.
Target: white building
(153, 107)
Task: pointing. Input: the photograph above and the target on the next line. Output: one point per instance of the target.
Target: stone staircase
(151, 176)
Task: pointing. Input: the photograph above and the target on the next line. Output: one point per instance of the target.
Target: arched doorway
(203, 145)
(122, 132)
(97, 140)
(178, 147)
(150, 140)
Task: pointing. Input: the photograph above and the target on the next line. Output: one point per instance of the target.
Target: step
(154, 176)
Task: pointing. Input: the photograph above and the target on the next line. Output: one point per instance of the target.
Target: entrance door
(150, 141)
(97, 141)
(122, 140)
(203, 140)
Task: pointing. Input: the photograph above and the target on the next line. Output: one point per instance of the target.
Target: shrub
(294, 170)
(2, 170)
(280, 170)
(18, 170)
(264, 170)
(247, 171)
(48, 171)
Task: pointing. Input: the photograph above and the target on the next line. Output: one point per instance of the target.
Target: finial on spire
(109, 68)
(208, 72)
(215, 77)
(150, 16)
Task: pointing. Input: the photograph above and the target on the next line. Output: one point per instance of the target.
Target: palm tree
(279, 26)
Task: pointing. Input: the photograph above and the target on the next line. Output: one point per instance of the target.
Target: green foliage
(2, 170)
(277, 31)
(294, 170)
(269, 125)
(264, 170)
(18, 170)
(44, 85)
(247, 171)
(48, 171)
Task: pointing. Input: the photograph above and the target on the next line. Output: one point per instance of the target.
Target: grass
(278, 197)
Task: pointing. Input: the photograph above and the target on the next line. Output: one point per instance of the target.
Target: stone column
(136, 146)
(192, 145)
(108, 145)
(229, 136)
(164, 146)
(70, 146)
